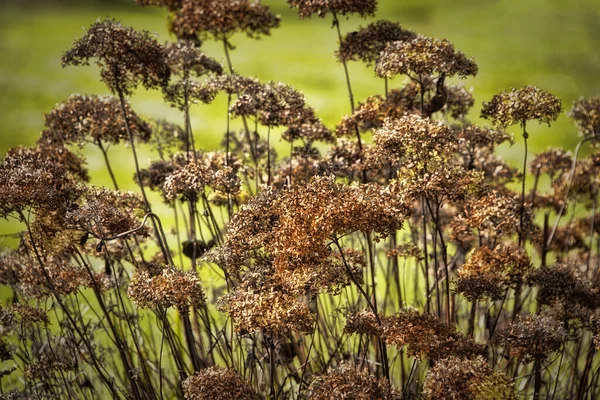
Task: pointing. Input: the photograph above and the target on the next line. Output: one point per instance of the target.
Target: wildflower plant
(386, 257)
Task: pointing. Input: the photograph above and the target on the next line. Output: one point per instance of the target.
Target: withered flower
(467, 379)
(552, 162)
(216, 383)
(170, 5)
(125, 56)
(306, 8)
(83, 119)
(520, 105)
(363, 322)
(169, 288)
(367, 43)
(348, 382)
(219, 19)
(427, 336)
(185, 58)
(586, 113)
(532, 337)
(423, 56)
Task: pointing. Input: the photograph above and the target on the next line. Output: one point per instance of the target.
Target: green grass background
(554, 44)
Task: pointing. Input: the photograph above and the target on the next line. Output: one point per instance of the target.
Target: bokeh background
(553, 44)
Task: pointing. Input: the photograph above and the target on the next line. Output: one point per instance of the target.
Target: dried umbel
(348, 382)
(92, 119)
(168, 138)
(306, 8)
(169, 288)
(363, 322)
(216, 383)
(467, 379)
(489, 273)
(586, 113)
(219, 19)
(427, 336)
(423, 56)
(125, 56)
(367, 43)
(532, 337)
(170, 5)
(553, 162)
(266, 310)
(520, 105)
(21, 315)
(184, 58)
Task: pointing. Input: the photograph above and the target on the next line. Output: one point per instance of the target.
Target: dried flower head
(552, 162)
(219, 19)
(489, 273)
(427, 336)
(184, 58)
(521, 105)
(423, 56)
(586, 113)
(306, 8)
(363, 322)
(348, 382)
(216, 383)
(170, 5)
(169, 288)
(367, 43)
(96, 119)
(467, 379)
(125, 56)
(532, 337)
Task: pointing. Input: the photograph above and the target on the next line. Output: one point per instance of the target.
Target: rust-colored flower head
(586, 113)
(219, 19)
(306, 8)
(125, 56)
(367, 43)
(363, 322)
(216, 383)
(427, 336)
(520, 105)
(532, 337)
(348, 382)
(424, 56)
(184, 58)
(169, 288)
(92, 119)
(467, 379)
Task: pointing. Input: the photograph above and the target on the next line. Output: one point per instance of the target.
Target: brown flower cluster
(586, 113)
(427, 336)
(21, 315)
(348, 382)
(168, 138)
(125, 56)
(306, 8)
(363, 322)
(83, 119)
(553, 162)
(367, 43)
(219, 19)
(169, 288)
(520, 105)
(532, 337)
(183, 58)
(467, 379)
(489, 273)
(216, 383)
(423, 56)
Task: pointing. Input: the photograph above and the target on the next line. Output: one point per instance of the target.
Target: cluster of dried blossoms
(401, 221)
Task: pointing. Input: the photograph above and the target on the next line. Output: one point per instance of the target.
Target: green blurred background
(554, 44)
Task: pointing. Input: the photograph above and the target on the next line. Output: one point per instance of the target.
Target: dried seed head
(586, 113)
(520, 105)
(423, 56)
(552, 162)
(306, 8)
(363, 322)
(216, 383)
(125, 56)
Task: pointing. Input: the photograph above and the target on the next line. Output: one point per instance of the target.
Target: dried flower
(467, 379)
(423, 56)
(552, 162)
(363, 322)
(216, 383)
(125, 56)
(306, 8)
(586, 113)
(348, 382)
(521, 105)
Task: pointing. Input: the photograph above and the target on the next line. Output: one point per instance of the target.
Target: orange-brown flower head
(306, 8)
(216, 383)
(363, 322)
(219, 19)
(423, 56)
(467, 379)
(586, 113)
(367, 43)
(348, 382)
(125, 56)
(520, 105)
(92, 119)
